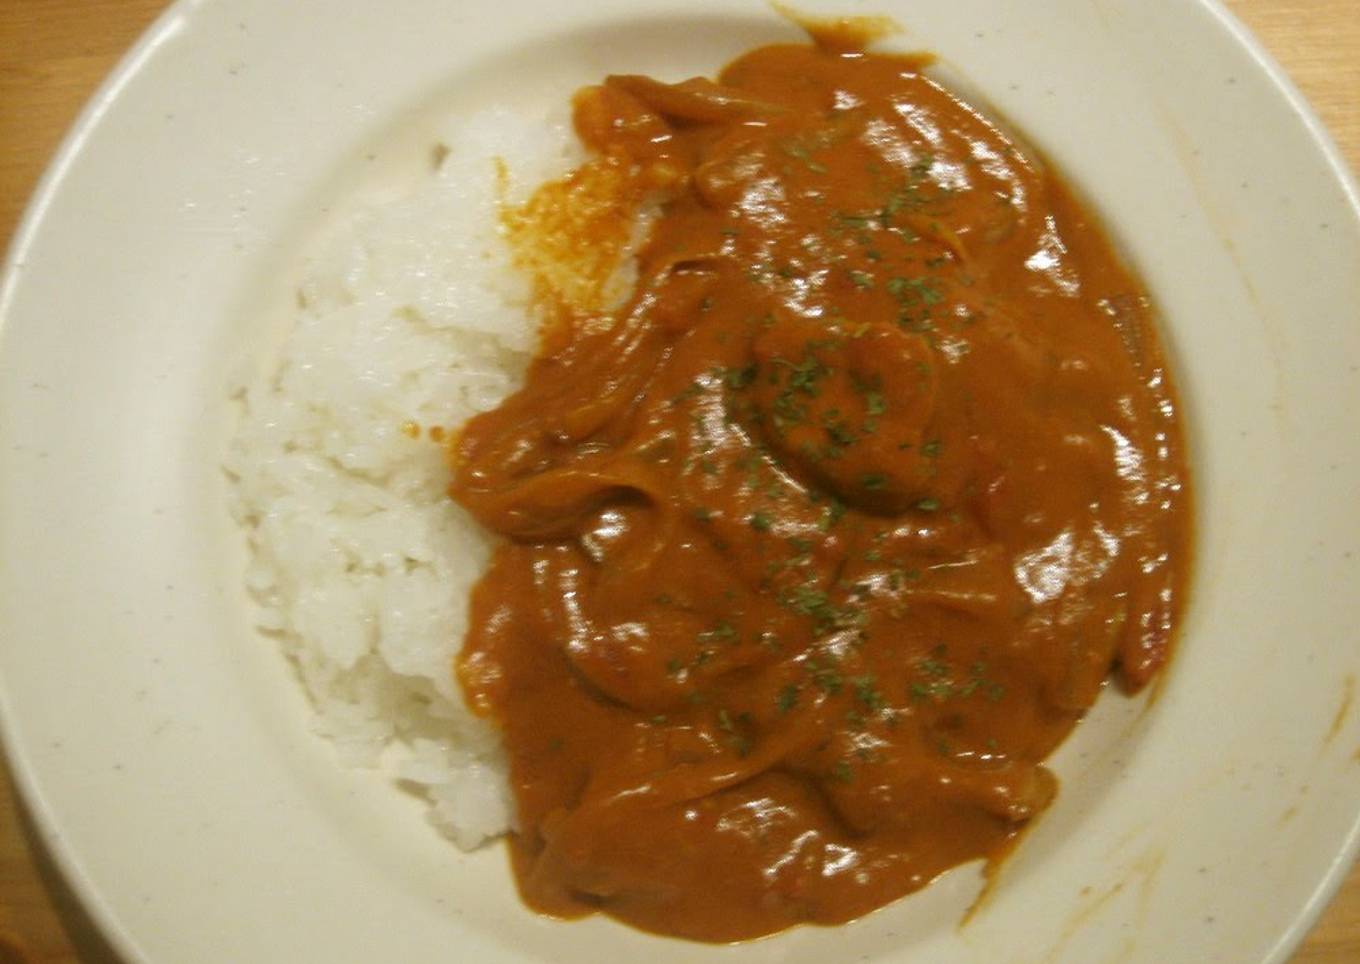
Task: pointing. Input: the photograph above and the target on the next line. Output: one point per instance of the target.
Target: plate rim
(24, 776)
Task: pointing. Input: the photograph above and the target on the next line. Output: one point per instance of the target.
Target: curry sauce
(822, 541)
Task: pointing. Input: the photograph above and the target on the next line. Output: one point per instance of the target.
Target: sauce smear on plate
(821, 543)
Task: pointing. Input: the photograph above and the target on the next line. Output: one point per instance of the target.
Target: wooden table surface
(54, 52)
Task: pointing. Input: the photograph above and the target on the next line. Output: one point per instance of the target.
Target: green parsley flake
(724, 632)
(867, 693)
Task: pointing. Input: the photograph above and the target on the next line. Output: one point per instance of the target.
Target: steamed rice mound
(411, 313)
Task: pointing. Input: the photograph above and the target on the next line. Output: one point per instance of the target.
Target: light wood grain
(52, 55)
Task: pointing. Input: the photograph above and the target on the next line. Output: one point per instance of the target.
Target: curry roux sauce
(821, 543)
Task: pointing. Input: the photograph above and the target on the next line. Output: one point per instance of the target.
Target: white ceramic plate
(164, 748)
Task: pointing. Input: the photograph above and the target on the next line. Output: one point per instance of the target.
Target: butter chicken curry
(818, 545)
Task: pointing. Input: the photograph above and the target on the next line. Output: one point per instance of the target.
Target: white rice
(409, 313)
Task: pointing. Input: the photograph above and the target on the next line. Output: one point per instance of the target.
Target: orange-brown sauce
(822, 542)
